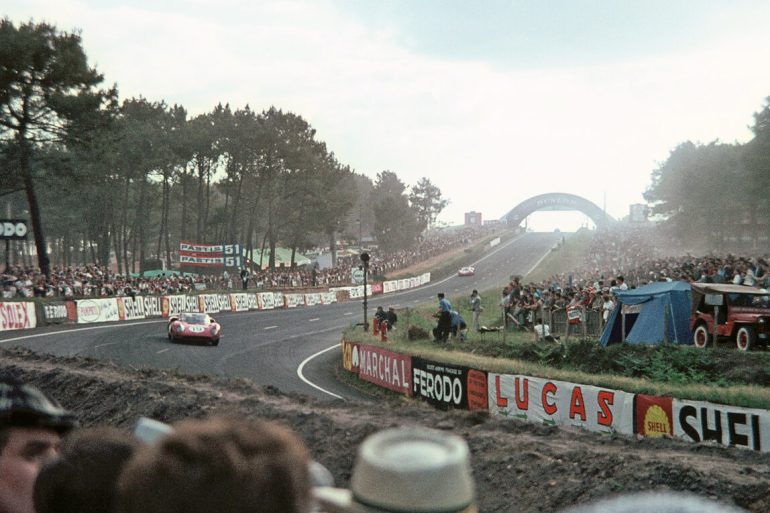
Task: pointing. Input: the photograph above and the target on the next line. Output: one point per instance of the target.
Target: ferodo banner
(57, 312)
(385, 368)
(440, 384)
(130, 308)
(17, 315)
(725, 425)
(97, 310)
(560, 403)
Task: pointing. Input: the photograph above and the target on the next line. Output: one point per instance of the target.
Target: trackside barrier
(558, 403)
(18, 315)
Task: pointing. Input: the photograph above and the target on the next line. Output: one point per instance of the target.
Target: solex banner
(13, 229)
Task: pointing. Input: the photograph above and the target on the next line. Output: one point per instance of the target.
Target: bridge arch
(557, 201)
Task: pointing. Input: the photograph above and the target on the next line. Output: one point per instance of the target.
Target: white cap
(406, 470)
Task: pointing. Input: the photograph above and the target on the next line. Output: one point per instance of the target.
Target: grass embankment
(718, 375)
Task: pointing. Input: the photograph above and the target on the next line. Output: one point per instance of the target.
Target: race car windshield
(194, 318)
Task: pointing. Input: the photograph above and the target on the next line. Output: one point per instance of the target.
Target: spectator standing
(475, 309)
(392, 318)
(444, 314)
(245, 278)
(31, 426)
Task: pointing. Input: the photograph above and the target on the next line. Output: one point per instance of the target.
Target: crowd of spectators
(100, 281)
(623, 257)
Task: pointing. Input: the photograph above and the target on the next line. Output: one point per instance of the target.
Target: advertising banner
(560, 403)
(17, 315)
(440, 384)
(210, 255)
(377, 287)
(653, 416)
(726, 425)
(130, 308)
(251, 299)
(239, 302)
(224, 302)
(478, 398)
(312, 299)
(152, 306)
(350, 356)
(266, 301)
(208, 303)
(56, 312)
(329, 298)
(174, 305)
(385, 368)
(97, 310)
(294, 300)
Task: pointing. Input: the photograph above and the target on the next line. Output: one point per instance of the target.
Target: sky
(494, 101)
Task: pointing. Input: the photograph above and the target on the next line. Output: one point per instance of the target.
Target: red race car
(194, 327)
(466, 271)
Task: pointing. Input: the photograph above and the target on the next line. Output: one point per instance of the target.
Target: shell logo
(656, 422)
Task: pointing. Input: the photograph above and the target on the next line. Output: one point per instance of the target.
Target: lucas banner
(560, 403)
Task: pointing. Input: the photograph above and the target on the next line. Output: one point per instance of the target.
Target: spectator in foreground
(221, 465)
(31, 426)
(406, 469)
(84, 479)
(660, 502)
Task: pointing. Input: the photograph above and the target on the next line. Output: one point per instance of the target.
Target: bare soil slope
(519, 467)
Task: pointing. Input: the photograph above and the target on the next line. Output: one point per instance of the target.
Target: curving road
(293, 350)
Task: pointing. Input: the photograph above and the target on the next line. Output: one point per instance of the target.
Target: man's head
(220, 464)
(31, 426)
(475, 292)
(84, 479)
(440, 295)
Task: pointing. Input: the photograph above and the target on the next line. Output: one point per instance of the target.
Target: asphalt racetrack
(293, 350)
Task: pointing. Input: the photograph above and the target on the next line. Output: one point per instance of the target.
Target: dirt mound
(519, 467)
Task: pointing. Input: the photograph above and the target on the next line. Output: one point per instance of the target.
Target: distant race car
(466, 271)
(194, 327)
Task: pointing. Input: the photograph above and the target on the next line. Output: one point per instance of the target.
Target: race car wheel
(745, 338)
(701, 337)
(214, 342)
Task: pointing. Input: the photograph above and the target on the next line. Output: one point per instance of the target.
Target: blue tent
(645, 311)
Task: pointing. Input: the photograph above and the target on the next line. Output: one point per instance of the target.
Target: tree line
(101, 176)
(717, 193)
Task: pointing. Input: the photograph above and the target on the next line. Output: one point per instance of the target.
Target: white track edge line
(307, 381)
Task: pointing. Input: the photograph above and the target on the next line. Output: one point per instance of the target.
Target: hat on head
(406, 469)
(24, 405)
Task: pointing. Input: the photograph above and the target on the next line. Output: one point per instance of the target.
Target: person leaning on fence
(31, 426)
(222, 465)
(407, 469)
(543, 332)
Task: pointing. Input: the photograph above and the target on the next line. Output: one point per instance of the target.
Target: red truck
(742, 315)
